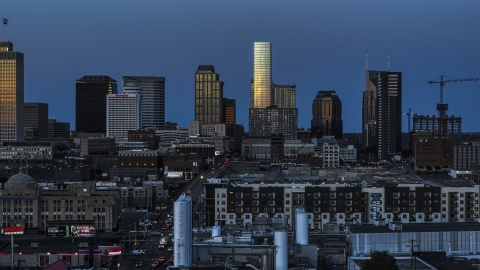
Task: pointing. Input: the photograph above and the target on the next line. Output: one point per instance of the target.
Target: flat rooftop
(419, 227)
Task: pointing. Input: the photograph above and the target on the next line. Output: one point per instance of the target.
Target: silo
(182, 234)
(301, 229)
(216, 231)
(265, 261)
(281, 244)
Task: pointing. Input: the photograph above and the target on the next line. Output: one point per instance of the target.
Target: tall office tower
(124, 113)
(284, 96)
(35, 119)
(11, 94)
(327, 115)
(153, 98)
(273, 120)
(382, 112)
(229, 116)
(91, 103)
(208, 96)
(261, 83)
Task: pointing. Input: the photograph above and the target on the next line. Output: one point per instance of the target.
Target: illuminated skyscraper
(261, 85)
(11, 94)
(208, 96)
(152, 90)
(91, 103)
(284, 96)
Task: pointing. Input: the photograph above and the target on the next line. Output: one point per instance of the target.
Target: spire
(388, 65)
(366, 65)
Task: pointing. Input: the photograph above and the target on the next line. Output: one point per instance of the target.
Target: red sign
(13, 230)
(115, 251)
(53, 252)
(26, 252)
(70, 252)
(5, 252)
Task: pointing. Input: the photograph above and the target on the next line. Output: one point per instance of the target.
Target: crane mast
(441, 107)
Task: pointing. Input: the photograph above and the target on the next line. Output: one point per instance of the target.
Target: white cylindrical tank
(265, 261)
(301, 230)
(216, 231)
(182, 233)
(280, 239)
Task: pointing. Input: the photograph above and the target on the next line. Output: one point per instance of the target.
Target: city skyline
(324, 47)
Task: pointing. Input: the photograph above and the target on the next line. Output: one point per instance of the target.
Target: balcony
(239, 204)
(239, 210)
(239, 196)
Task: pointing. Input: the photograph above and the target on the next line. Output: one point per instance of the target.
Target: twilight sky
(317, 45)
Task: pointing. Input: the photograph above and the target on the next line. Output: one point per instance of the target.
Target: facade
(261, 84)
(139, 158)
(431, 154)
(369, 109)
(36, 206)
(11, 94)
(348, 154)
(35, 119)
(127, 146)
(124, 113)
(152, 90)
(230, 116)
(389, 114)
(169, 136)
(208, 96)
(150, 196)
(331, 155)
(91, 103)
(261, 148)
(18, 151)
(204, 149)
(97, 146)
(58, 129)
(277, 146)
(146, 135)
(284, 96)
(327, 115)
(337, 203)
(273, 120)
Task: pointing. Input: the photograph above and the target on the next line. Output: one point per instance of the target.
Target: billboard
(175, 174)
(13, 230)
(70, 231)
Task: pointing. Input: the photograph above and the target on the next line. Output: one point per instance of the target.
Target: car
(155, 264)
(139, 264)
(161, 259)
(121, 232)
(170, 248)
(138, 251)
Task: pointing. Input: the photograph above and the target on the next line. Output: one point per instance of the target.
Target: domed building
(19, 199)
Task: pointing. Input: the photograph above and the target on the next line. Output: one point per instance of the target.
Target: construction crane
(441, 107)
(409, 115)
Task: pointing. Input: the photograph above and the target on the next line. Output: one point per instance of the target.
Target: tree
(380, 260)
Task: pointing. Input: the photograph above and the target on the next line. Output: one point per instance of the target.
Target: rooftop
(419, 227)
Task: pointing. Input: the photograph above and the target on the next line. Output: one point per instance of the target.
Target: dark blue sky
(317, 45)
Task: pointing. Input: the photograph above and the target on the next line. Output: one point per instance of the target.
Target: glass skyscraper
(152, 90)
(11, 94)
(261, 88)
(208, 96)
(91, 103)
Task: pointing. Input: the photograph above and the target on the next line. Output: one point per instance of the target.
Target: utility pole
(413, 262)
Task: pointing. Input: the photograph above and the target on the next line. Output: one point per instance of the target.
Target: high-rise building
(261, 83)
(272, 120)
(11, 94)
(284, 96)
(152, 90)
(229, 116)
(124, 113)
(382, 112)
(208, 96)
(91, 103)
(58, 129)
(327, 115)
(35, 119)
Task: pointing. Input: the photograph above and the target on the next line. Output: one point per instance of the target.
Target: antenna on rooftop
(366, 65)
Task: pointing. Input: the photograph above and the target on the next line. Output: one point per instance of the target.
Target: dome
(21, 181)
